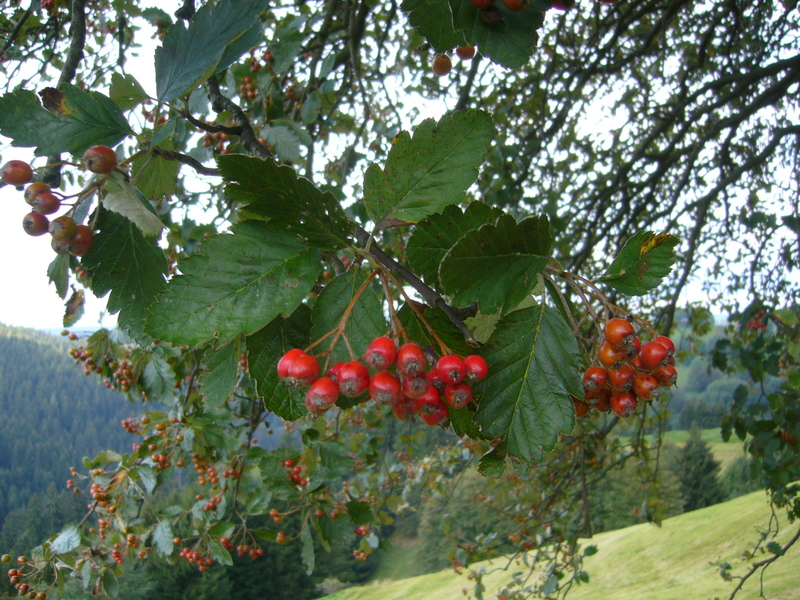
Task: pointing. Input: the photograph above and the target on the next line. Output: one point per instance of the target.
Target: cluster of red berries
(412, 390)
(247, 89)
(630, 371)
(15, 578)
(442, 64)
(295, 473)
(212, 503)
(67, 237)
(242, 549)
(202, 562)
(757, 323)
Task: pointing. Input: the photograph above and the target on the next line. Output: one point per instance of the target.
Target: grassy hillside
(673, 562)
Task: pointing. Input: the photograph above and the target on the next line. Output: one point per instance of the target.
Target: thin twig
(185, 159)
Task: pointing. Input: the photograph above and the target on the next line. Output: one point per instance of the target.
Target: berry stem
(397, 326)
(428, 294)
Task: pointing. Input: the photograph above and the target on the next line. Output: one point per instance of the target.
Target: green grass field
(642, 562)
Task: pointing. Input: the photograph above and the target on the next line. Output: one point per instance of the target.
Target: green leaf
(219, 553)
(285, 141)
(162, 538)
(154, 176)
(147, 477)
(85, 119)
(431, 170)
(463, 422)
(434, 236)
(235, 284)
(58, 273)
(307, 552)
(645, 259)
(497, 265)
(292, 203)
(492, 464)
(158, 379)
(67, 540)
(265, 348)
(360, 512)
(366, 321)
(533, 363)
(127, 264)
(122, 198)
(434, 21)
(440, 323)
(190, 55)
(126, 92)
(511, 43)
(285, 47)
(220, 373)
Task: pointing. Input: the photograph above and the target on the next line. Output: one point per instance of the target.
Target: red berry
(516, 5)
(441, 65)
(16, 172)
(645, 386)
(458, 395)
(80, 243)
(63, 228)
(619, 332)
(581, 408)
(451, 369)
(429, 401)
(353, 378)
(385, 388)
(100, 159)
(477, 369)
(35, 224)
(333, 372)
(303, 370)
(634, 348)
(46, 203)
(415, 387)
(594, 379)
(483, 4)
(623, 404)
(439, 415)
(381, 353)
(411, 359)
(465, 52)
(405, 408)
(286, 360)
(653, 356)
(667, 343)
(611, 357)
(621, 379)
(435, 380)
(34, 190)
(666, 376)
(322, 394)
(603, 403)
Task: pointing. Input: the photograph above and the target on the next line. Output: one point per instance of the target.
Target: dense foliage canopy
(314, 176)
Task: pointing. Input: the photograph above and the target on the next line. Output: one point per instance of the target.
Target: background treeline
(53, 416)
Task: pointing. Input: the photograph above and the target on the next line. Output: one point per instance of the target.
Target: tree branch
(221, 103)
(185, 160)
(764, 563)
(428, 294)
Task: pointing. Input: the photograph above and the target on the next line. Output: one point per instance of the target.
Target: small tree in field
(699, 474)
(286, 238)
